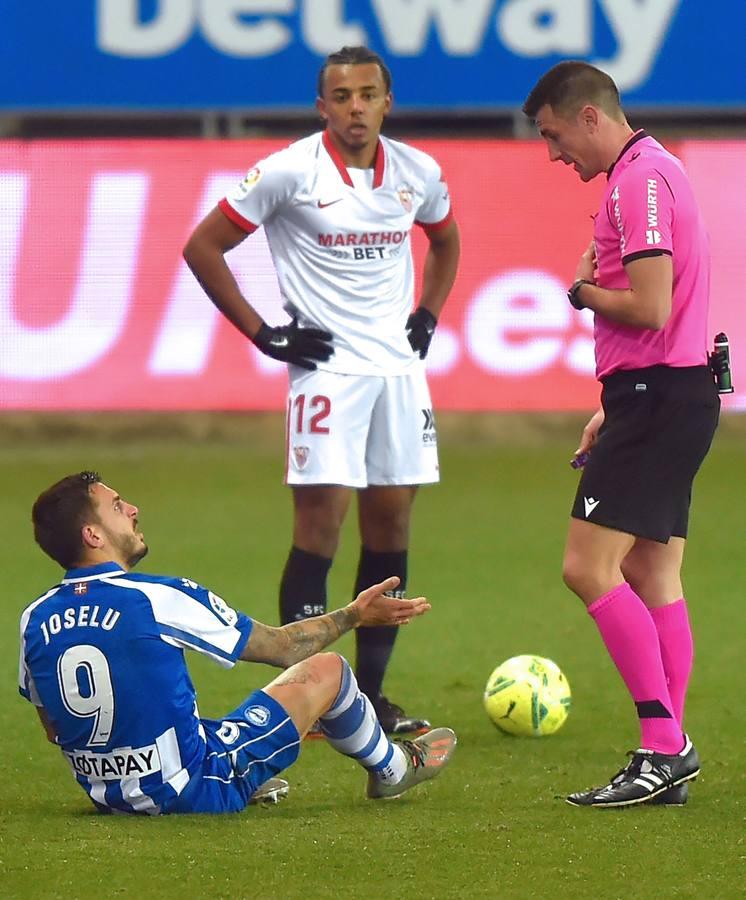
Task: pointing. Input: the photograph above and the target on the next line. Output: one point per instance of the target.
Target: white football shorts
(360, 430)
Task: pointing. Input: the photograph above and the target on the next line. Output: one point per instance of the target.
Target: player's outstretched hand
(302, 347)
(420, 329)
(375, 608)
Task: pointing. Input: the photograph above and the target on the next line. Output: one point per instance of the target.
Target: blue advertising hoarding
(444, 54)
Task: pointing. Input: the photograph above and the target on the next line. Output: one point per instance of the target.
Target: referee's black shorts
(658, 426)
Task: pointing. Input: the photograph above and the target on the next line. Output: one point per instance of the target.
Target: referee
(646, 277)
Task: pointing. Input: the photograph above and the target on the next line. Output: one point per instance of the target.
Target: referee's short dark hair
(353, 56)
(59, 514)
(568, 86)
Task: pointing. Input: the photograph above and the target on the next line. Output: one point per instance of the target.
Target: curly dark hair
(60, 512)
(353, 56)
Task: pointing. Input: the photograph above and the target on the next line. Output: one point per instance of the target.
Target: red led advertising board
(98, 309)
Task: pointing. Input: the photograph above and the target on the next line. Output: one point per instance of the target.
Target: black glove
(291, 344)
(420, 328)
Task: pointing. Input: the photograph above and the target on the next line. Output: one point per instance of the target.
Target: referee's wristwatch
(572, 294)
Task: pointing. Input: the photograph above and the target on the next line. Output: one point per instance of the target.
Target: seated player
(102, 659)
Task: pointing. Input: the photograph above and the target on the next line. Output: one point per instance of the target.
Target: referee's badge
(301, 455)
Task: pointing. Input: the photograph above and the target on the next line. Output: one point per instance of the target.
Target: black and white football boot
(675, 796)
(647, 778)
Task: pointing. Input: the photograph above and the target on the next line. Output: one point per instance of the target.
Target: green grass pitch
(486, 549)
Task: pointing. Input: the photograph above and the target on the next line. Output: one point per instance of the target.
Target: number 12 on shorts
(307, 416)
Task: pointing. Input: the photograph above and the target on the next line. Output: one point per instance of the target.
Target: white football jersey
(340, 240)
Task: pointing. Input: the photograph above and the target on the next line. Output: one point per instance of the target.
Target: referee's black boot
(675, 796)
(647, 776)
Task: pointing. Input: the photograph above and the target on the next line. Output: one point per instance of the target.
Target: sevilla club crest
(301, 455)
(405, 193)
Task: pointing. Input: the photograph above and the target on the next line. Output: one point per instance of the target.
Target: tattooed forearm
(312, 635)
(291, 643)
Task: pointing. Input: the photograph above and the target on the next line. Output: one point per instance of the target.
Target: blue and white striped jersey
(103, 653)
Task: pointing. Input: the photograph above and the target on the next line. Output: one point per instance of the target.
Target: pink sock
(677, 651)
(631, 638)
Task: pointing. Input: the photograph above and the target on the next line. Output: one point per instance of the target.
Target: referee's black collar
(637, 136)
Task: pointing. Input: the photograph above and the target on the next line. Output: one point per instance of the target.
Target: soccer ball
(527, 695)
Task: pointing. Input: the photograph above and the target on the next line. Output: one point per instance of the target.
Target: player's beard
(131, 548)
(140, 552)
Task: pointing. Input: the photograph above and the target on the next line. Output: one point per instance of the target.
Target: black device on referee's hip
(719, 361)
